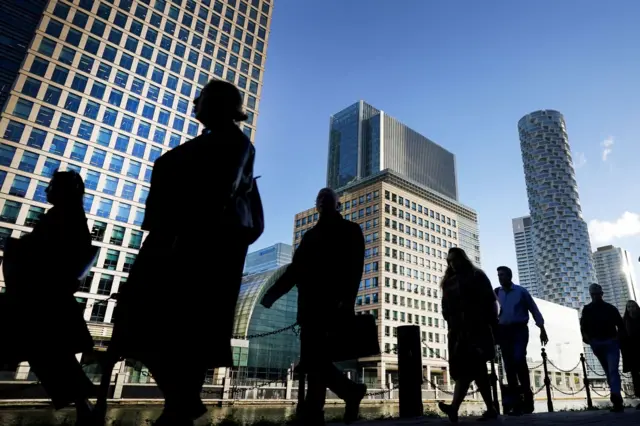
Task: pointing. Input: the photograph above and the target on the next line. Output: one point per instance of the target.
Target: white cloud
(579, 160)
(607, 147)
(627, 225)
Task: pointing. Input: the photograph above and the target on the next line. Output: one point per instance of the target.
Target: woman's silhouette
(42, 271)
(176, 311)
(470, 309)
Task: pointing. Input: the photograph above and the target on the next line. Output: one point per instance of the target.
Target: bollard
(547, 381)
(494, 380)
(586, 382)
(409, 371)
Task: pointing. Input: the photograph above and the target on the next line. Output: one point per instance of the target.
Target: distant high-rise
(562, 249)
(614, 268)
(523, 239)
(364, 141)
(268, 258)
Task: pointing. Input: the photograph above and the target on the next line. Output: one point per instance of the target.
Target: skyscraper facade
(562, 249)
(105, 88)
(364, 141)
(614, 268)
(523, 240)
(268, 258)
(408, 231)
(18, 22)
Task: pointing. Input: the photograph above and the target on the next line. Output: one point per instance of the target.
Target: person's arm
(290, 277)
(154, 205)
(622, 330)
(537, 317)
(584, 328)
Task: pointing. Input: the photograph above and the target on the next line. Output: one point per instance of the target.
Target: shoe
(618, 404)
(638, 407)
(528, 407)
(488, 415)
(617, 408)
(449, 411)
(352, 405)
(516, 412)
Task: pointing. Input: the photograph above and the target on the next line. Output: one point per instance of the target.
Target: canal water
(143, 415)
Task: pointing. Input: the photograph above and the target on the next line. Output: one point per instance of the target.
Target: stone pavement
(631, 416)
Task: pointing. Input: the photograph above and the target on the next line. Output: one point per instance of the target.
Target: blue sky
(462, 73)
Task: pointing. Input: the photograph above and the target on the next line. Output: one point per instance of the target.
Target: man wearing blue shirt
(513, 336)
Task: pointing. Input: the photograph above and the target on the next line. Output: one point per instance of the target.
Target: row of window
(419, 208)
(410, 318)
(411, 303)
(134, 45)
(426, 352)
(407, 286)
(413, 259)
(419, 247)
(427, 337)
(414, 219)
(111, 185)
(410, 272)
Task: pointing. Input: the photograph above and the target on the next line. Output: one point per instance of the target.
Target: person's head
(595, 291)
(632, 309)
(65, 188)
(327, 201)
(219, 102)
(505, 275)
(458, 261)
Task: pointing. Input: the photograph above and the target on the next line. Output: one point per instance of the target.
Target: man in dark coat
(176, 311)
(327, 269)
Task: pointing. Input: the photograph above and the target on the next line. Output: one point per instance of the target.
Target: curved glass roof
(252, 289)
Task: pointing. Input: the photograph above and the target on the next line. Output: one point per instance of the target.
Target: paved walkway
(575, 418)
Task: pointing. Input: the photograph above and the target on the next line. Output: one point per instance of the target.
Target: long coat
(41, 271)
(469, 307)
(327, 268)
(182, 290)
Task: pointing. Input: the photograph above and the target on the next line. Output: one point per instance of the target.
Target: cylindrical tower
(562, 249)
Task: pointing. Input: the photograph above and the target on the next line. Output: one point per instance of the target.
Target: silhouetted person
(176, 310)
(602, 328)
(327, 269)
(631, 347)
(513, 337)
(42, 272)
(469, 307)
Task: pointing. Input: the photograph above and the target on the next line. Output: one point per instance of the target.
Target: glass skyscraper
(523, 239)
(562, 248)
(105, 88)
(364, 141)
(268, 258)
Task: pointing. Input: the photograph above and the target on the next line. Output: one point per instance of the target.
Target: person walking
(42, 272)
(603, 329)
(513, 337)
(174, 314)
(470, 309)
(327, 269)
(631, 347)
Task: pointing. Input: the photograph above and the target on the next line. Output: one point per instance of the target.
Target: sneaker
(352, 404)
(449, 411)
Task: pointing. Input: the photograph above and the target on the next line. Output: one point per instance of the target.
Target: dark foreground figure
(469, 307)
(42, 271)
(175, 315)
(327, 268)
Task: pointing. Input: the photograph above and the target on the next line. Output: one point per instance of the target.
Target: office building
(105, 88)
(614, 268)
(268, 258)
(562, 249)
(523, 239)
(408, 230)
(364, 141)
(18, 22)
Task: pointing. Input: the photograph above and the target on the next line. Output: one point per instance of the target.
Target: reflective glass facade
(523, 239)
(268, 258)
(268, 357)
(562, 249)
(105, 89)
(364, 141)
(18, 22)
